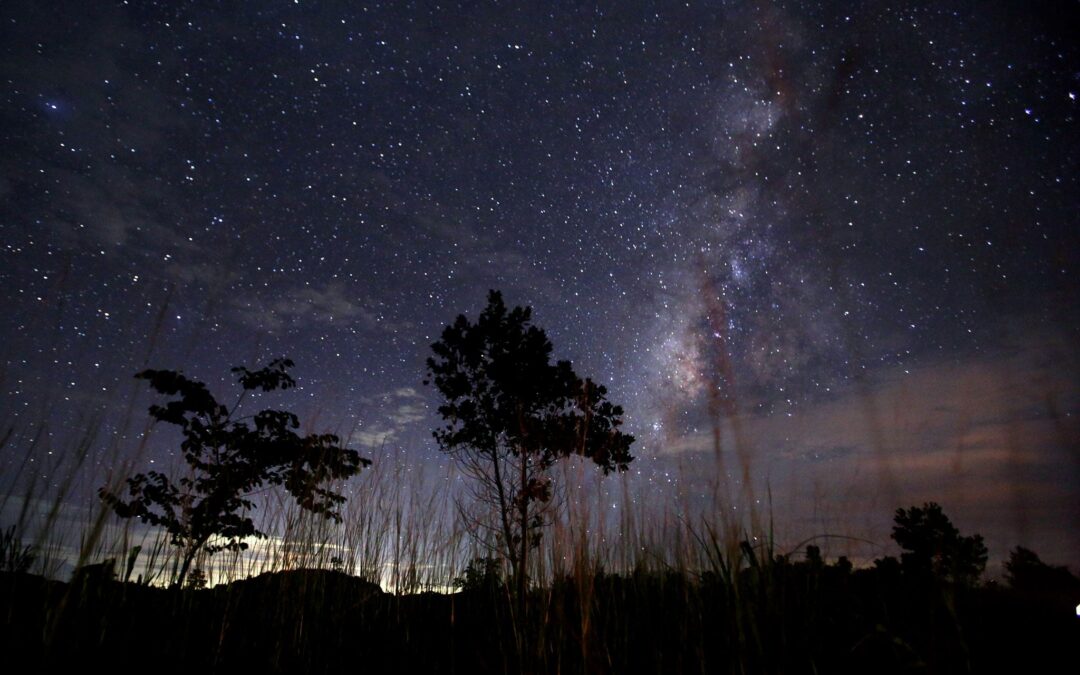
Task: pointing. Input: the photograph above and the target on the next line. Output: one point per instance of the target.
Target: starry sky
(826, 252)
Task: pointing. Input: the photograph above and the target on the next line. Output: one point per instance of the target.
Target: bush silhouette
(482, 574)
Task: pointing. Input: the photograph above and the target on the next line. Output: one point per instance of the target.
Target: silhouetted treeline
(771, 615)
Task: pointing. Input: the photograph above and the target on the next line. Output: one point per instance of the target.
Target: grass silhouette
(375, 593)
(674, 586)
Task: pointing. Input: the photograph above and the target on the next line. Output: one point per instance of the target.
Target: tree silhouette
(511, 413)
(231, 457)
(1027, 573)
(933, 547)
(482, 574)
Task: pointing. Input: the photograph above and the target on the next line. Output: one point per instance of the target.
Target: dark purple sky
(860, 224)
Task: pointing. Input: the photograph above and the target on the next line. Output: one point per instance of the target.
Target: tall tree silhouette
(230, 457)
(511, 413)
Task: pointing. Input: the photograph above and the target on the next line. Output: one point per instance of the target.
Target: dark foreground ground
(793, 619)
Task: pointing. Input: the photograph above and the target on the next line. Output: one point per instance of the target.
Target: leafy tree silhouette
(933, 547)
(511, 413)
(1027, 573)
(230, 458)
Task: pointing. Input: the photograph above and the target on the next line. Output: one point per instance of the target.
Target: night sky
(844, 236)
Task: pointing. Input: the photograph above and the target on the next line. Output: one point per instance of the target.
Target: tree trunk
(523, 514)
(523, 495)
(188, 558)
(504, 512)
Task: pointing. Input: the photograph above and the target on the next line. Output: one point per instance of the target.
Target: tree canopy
(230, 457)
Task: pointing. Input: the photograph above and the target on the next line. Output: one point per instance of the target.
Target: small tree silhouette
(230, 458)
(933, 547)
(511, 414)
(197, 579)
(482, 574)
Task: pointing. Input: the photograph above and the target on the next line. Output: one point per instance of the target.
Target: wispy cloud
(391, 414)
(329, 305)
